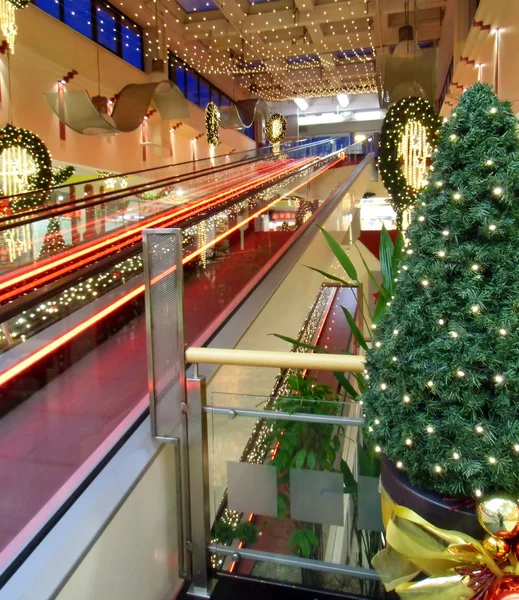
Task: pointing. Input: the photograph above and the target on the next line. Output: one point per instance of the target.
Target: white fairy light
(492, 227)
(474, 308)
(499, 378)
(492, 460)
(378, 449)
(383, 386)
(395, 332)
(409, 442)
(478, 493)
(479, 429)
(441, 322)
(489, 162)
(455, 456)
(394, 359)
(454, 334)
(503, 332)
(421, 218)
(453, 137)
(493, 110)
(438, 469)
(376, 421)
(441, 253)
(407, 399)
(497, 191)
(409, 251)
(516, 447)
(399, 465)
(445, 232)
(424, 282)
(430, 383)
(378, 344)
(460, 373)
(475, 267)
(370, 429)
(373, 326)
(457, 196)
(439, 184)
(405, 267)
(430, 429)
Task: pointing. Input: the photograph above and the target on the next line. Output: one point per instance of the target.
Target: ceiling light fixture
(302, 104)
(343, 100)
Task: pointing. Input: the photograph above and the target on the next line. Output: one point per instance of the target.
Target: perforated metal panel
(162, 250)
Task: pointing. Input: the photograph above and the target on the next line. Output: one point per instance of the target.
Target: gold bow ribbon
(415, 546)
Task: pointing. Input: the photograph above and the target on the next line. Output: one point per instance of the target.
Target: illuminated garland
(8, 19)
(61, 174)
(26, 165)
(407, 140)
(276, 128)
(212, 124)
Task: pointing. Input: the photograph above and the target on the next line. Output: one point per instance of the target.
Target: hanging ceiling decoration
(8, 19)
(212, 124)
(276, 128)
(407, 141)
(25, 165)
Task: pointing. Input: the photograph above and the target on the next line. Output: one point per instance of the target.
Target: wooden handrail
(343, 363)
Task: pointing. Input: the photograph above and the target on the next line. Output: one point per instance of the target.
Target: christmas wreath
(39, 174)
(212, 124)
(406, 120)
(276, 128)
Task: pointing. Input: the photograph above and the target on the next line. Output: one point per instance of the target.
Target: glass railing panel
(290, 486)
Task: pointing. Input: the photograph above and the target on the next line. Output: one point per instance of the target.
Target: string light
(497, 191)
(479, 429)
(503, 332)
(455, 456)
(407, 399)
(492, 460)
(441, 322)
(441, 253)
(492, 227)
(445, 233)
(409, 442)
(430, 429)
(499, 378)
(489, 162)
(474, 308)
(438, 469)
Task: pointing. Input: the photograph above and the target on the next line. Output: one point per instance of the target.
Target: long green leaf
(369, 463)
(298, 344)
(312, 538)
(357, 333)
(380, 309)
(386, 260)
(328, 275)
(343, 381)
(398, 253)
(341, 255)
(350, 485)
(310, 460)
(304, 546)
(380, 289)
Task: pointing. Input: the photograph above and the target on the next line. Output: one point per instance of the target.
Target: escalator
(73, 367)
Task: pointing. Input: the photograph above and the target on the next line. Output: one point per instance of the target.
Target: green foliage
(61, 174)
(418, 109)
(245, 532)
(302, 541)
(447, 406)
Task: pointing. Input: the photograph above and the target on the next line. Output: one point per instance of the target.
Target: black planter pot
(431, 507)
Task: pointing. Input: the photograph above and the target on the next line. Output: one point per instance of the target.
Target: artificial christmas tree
(443, 373)
(53, 242)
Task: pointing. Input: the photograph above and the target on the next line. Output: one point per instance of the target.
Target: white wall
(135, 558)
(45, 51)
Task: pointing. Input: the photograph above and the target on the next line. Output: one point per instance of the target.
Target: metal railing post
(200, 517)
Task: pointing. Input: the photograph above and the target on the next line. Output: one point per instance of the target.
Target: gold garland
(212, 124)
(276, 128)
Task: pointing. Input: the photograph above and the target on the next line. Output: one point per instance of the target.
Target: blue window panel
(249, 132)
(106, 28)
(78, 17)
(192, 87)
(51, 7)
(204, 94)
(180, 79)
(225, 101)
(215, 96)
(132, 46)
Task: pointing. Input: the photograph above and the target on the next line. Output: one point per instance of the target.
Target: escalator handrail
(44, 212)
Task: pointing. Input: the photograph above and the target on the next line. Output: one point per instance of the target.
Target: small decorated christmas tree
(443, 397)
(53, 241)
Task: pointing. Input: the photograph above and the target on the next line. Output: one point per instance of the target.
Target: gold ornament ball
(496, 547)
(498, 514)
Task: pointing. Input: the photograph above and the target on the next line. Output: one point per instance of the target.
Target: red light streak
(33, 358)
(135, 231)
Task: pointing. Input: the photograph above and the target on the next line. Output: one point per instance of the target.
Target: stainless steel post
(198, 487)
